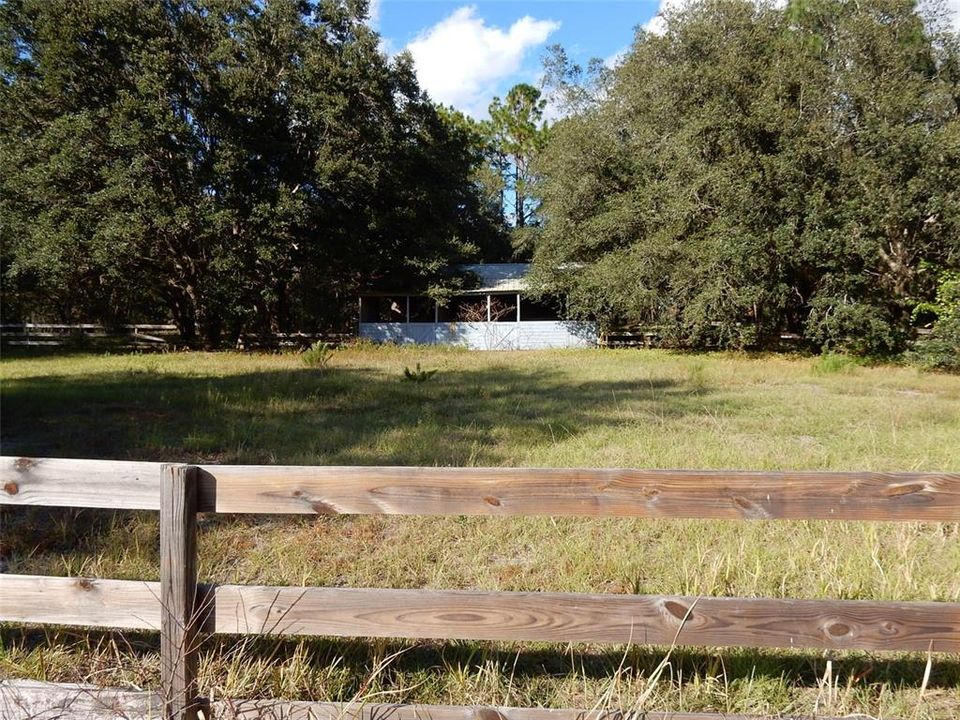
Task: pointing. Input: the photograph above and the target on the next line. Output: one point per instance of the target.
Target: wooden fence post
(178, 591)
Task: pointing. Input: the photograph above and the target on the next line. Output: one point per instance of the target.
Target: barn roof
(499, 277)
(492, 278)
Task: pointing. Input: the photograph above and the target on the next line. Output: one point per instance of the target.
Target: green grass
(569, 408)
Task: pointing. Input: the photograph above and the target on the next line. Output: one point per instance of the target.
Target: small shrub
(697, 376)
(317, 355)
(418, 375)
(834, 363)
(854, 328)
(362, 343)
(941, 349)
(147, 367)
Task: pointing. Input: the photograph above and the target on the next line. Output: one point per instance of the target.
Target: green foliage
(318, 355)
(830, 363)
(940, 350)
(860, 328)
(234, 164)
(417, 375)
(570, 87)
(755, 171)
(519, 133)
(506, 146)
(493, 244)
(946, 303)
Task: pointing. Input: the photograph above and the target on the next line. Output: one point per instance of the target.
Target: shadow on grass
(307, 417)
(343, 416)
(526, 663)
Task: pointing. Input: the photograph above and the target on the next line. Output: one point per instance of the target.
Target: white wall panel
(527, 335)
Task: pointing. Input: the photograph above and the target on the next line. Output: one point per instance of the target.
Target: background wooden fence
(145, 337)
(138, 337)
(180, 608)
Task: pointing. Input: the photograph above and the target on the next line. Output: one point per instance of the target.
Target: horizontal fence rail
(728, 495)
(67, 701)
(141, 336)
(479, 615)
(146, 336)
(180, 608)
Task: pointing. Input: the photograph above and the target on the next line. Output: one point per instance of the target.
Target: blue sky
(466, 52)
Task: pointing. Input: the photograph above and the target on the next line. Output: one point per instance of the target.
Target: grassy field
(565, 408)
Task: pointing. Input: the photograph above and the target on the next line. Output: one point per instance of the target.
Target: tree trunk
(518, 198)
(184, 315)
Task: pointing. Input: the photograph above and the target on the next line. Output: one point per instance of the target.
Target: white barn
(494, 316)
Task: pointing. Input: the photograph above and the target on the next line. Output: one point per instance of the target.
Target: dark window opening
(465, 308)
(421, 309)
(383, 309)
(547, 309)
(503, 308)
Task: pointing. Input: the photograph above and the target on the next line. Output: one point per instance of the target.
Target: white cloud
(613, 60)
(656, 24)
(953, 8)
(461, 59)
(373, 13)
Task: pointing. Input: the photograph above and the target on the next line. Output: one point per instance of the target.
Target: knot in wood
(461, 617)
(838, 629)
(678, 610)
(488, 714)
(11, 488)
(904, 489)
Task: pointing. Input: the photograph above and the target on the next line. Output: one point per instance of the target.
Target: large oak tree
(756, 170)
(236, 164)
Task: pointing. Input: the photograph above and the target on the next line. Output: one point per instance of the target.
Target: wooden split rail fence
(146, 337)
(140, 336)
(180, 608)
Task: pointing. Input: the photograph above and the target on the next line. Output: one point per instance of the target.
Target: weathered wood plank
(602, 492)
(495, 491)
(67, 701)
(61, 482)
(128, 604)
(292, 710)
(71, 701)
(568, 617)
(178, 592)
(552, 617)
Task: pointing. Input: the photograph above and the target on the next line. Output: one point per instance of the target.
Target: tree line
(243, 166)
(754, 171)
(233, 164)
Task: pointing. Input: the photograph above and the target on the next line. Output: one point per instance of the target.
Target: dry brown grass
(599, 408)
